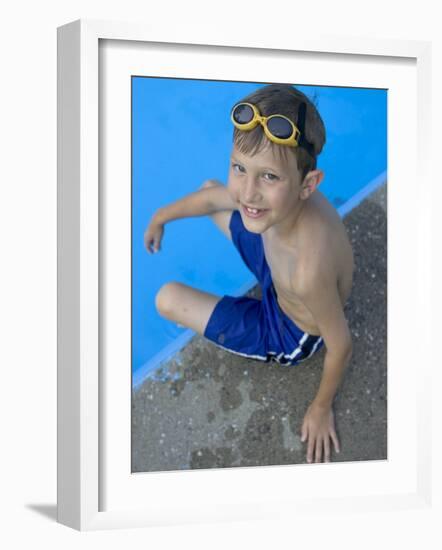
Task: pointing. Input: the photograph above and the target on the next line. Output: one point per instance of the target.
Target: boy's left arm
(320, 295)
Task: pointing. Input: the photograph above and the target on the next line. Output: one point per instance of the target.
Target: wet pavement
(208, 408)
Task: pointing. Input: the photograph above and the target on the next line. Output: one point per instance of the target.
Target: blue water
(181, 136)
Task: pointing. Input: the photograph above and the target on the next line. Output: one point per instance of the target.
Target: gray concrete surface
(208, 408)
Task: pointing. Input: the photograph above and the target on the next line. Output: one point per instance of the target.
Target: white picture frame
(81, 395)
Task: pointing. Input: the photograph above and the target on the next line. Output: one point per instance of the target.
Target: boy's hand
(153, 236)
(318, 428)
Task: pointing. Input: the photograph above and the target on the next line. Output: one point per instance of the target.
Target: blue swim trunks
(258, 329)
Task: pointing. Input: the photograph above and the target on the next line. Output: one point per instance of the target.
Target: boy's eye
(270, 177)
(238, 168)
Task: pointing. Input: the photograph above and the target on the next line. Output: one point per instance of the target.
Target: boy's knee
(167, 298)
(210, 183)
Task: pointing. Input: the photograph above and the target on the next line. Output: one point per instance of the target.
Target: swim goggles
(277, 128)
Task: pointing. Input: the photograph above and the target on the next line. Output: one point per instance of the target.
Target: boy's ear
(311, 181)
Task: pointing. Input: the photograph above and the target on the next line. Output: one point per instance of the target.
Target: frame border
(78, 254)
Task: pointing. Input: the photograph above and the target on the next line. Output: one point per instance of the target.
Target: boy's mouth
(253, 212)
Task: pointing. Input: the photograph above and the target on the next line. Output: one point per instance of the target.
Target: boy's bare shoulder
(219, 195)
(324, 251)
(319, 230)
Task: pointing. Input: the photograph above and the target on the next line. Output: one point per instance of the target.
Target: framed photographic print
(194, 405)
(155, 424)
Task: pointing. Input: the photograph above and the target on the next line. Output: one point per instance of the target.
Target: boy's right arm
(208, 200)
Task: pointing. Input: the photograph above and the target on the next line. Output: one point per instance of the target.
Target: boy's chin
(254, 226)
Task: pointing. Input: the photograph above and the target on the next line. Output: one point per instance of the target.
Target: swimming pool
(181, 136)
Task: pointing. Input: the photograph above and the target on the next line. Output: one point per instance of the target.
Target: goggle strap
(301, 118)
(300, 123)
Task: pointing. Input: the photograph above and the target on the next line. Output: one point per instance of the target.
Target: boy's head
(283, 99)
(270, 181)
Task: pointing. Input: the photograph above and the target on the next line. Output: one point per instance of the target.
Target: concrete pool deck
(208, 408)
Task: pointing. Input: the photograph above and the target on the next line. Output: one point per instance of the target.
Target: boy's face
(266, 188)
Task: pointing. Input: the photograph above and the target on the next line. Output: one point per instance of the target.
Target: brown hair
(283, 99)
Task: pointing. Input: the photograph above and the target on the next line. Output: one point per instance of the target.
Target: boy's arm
(320, 295)
(207, 200)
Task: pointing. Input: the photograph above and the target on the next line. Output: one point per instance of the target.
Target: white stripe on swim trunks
(314, 347)
(244, 354)
(298, 350)
(278, 357)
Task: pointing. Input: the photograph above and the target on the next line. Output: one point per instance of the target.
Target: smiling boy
(289, 236)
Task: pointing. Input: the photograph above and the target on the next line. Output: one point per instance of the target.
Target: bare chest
(284, 264)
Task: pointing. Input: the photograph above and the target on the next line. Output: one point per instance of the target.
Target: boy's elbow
(343, 351)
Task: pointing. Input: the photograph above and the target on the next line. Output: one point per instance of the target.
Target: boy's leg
(185, 305)
(221, 219)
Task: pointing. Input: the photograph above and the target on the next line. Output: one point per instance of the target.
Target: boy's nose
(250, 191)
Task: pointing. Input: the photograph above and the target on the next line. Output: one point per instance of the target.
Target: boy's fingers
(335, 440)
(327, 449)
(304, 432)
(318, 454)
(310, 449)
(152, 245)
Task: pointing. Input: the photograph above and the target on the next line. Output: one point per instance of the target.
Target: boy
(289, 236)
